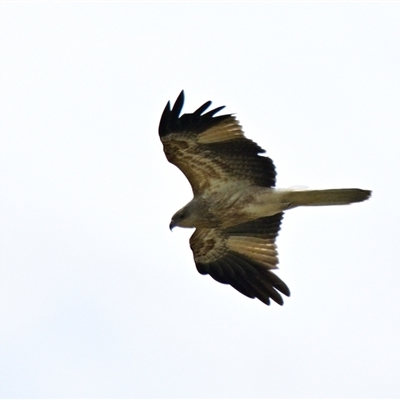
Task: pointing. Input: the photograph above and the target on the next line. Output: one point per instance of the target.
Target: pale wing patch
(258, 249)
(207, 245)
(226, 130)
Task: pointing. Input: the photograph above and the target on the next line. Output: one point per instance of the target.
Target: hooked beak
(172, 225)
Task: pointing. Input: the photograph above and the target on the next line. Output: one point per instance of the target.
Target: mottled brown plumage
(235, 208)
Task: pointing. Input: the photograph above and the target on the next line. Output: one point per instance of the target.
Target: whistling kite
(235, 209)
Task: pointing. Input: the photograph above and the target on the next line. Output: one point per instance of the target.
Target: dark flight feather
(194, 123)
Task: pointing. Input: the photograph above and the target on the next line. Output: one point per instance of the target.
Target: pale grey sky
(97, 297)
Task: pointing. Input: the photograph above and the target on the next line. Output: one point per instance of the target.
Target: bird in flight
(236, 209)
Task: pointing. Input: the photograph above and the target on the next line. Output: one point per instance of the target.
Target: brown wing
(212, 151)
(242, 256)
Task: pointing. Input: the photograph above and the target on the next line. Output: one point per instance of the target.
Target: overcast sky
(97, 297)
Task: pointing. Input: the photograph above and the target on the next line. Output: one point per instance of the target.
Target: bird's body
(235, 209)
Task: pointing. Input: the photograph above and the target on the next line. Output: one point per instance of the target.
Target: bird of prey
(235, 209)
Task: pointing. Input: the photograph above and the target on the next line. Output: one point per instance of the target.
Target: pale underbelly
(252, 203)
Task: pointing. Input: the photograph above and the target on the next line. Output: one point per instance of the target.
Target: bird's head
(182, 218)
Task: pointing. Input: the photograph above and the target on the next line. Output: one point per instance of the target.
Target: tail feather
(328, 197)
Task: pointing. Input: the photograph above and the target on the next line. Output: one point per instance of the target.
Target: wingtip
(164, 121)
(169, 115)
(172, 121)
(178, 105)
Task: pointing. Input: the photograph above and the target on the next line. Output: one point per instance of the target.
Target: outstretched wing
(211, 151)
(243, 257)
